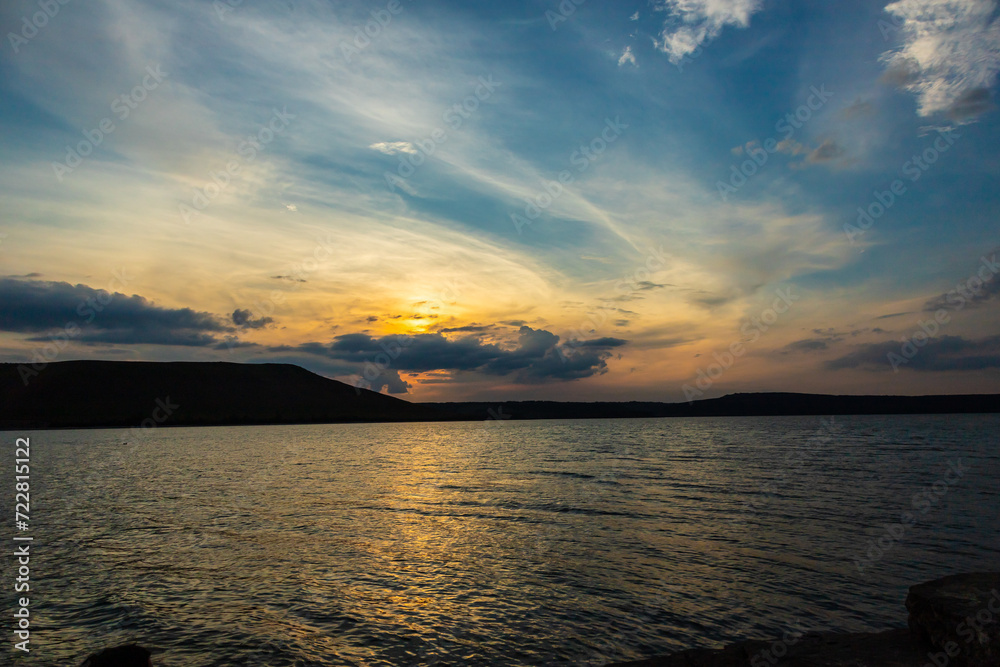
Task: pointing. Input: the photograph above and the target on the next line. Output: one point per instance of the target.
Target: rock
(960, 617)
(129, 655)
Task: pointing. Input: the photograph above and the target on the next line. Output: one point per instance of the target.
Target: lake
(493, 543)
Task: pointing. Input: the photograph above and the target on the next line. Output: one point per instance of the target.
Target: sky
(588, 200)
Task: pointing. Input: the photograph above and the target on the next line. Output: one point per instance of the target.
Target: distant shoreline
(10, 429)
(142, 395)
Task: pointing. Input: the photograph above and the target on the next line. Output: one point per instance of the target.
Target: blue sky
(519, 199)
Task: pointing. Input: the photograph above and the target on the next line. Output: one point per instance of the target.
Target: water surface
(493, 543)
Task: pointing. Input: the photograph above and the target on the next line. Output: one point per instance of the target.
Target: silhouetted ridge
(125, 393)
(731, 405)
(129, 393)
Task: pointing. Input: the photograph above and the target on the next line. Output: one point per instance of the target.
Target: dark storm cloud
(471, 328)
(605, 343)
(35, 306)
(388, 379)
(537, 357)
(976, 291)
(245, 320)
(807, 345)
(947, 353)
(140, 336)
(232, 342)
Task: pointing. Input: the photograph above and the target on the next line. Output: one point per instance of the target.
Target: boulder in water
(960, 617)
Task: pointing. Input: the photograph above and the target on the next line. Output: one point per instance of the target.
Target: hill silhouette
(91, 394)
(125, 393)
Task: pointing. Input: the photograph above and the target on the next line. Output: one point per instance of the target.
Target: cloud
(807, 345)
(825, 152)
(792, 147)
(949, 57)
(292, 207)
(141, 336)
(971, 103)
(232, 342)
(601, 343)
(634, 17)
(469, 328)
(627, 57)
(537, 356)
(694, 22)
(245, 320)
(388, 379)
(394, 147)
(946, 353)
(35, 306)
(857, 109)
(971, 293)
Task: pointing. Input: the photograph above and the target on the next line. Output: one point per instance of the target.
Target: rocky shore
(953, 622)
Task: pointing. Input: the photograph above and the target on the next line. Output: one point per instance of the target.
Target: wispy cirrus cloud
(694, 22)
(949, 57)
(394, 147)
